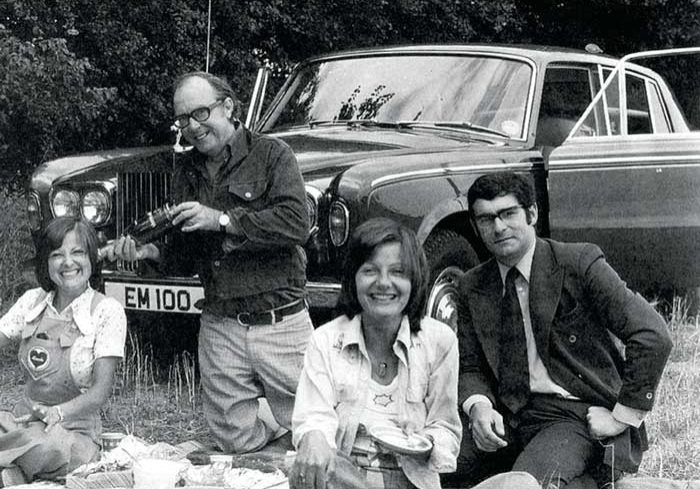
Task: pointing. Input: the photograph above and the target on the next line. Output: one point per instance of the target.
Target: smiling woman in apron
(71, 339)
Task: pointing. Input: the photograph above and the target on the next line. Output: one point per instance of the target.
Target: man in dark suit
(559, 360)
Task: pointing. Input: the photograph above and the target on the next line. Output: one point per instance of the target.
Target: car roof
(538, 53)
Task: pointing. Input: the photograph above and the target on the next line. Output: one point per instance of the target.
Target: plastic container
(111, 440)
(153, 473)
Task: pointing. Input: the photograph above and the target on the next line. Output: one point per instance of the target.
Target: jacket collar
(545, 284)
(352, 337)
(238, 147)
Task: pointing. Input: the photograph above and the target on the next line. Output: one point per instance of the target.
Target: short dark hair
(52, 238)
(364, 241)
(492, 185)
(220, 85)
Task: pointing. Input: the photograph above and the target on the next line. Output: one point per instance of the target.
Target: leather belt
(271, 316)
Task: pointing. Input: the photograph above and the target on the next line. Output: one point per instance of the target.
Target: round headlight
(96, 207)
(65, 203)
(338, 223)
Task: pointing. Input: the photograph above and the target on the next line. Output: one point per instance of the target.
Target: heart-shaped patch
(38, 358)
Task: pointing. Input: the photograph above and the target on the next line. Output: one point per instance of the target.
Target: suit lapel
(546, 281)
(486, 311)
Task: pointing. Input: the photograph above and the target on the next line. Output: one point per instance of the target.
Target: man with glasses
(543, 385)
(242, 219)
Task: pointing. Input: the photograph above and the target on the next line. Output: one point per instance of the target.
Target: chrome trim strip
(649, 160)
(450, 171)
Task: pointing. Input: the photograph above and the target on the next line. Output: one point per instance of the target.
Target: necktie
(513, 372)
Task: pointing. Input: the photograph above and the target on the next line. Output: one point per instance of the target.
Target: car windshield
(443, 92)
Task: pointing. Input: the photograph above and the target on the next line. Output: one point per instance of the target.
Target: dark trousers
(549, 439)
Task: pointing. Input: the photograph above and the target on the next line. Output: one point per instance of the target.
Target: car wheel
(449, 256)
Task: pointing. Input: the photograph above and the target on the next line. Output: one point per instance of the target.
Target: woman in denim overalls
(71, 339)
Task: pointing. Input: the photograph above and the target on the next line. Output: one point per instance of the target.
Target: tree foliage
(80, 75)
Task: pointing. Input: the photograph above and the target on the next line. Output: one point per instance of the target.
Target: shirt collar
(237, 146)
(80, 309)
(353, 334)
(524, 266)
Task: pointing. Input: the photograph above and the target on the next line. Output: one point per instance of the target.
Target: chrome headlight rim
(313, 197)
(69, 204)
(103, 207)
(33, 207)
(340, 229)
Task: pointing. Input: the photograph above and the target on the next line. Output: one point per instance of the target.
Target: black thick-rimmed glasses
(200, 114)
(509, 215)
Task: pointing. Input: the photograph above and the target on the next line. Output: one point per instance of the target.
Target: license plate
(157, 298)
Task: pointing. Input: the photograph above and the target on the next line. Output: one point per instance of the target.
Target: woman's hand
(50, 415)
(314, 463)
(125, 248)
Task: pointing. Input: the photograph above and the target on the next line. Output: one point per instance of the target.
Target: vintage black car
(404, 131)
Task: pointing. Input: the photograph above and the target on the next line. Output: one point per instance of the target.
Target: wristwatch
(224, 220)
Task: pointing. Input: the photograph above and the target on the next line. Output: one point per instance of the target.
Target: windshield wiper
(355, 122)
(454, 125)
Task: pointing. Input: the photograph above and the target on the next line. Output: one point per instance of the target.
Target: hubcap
(442, 301)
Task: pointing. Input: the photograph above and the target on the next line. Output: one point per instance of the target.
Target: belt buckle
(244, 318)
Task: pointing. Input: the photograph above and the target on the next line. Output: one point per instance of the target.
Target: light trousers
(239, 364)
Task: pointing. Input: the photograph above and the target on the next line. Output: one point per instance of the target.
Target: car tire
(449, 256)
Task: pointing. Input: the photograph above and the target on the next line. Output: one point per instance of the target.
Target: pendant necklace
(382, 370)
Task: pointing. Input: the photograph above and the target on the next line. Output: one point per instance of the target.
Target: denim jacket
(260, 264)
(334, 383)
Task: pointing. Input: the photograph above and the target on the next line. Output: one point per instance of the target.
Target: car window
(485, 91)
(642, 95)
(566, 93)
(659, 116)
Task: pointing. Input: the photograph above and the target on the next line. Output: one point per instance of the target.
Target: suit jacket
(578, 306)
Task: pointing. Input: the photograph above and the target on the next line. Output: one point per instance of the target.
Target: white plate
(396, 440)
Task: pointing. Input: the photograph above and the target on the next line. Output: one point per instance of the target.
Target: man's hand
(487, 427)
(602, 424)
(196, 217)
(314, 463)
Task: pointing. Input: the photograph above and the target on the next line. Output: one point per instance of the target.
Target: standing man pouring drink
(242, 223)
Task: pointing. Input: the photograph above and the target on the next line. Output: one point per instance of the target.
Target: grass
(160, 400)
(672, 425)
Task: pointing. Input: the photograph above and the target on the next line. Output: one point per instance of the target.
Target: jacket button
(649, 395)
(248, 195)
(572, 338)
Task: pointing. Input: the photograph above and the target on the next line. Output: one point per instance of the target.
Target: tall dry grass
(673, 425)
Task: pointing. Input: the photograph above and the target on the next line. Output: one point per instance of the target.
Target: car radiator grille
(137, 194)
